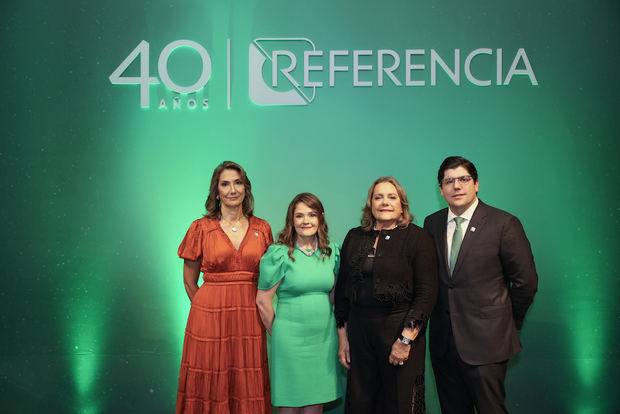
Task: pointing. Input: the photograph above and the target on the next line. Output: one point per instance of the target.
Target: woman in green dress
(300, 268)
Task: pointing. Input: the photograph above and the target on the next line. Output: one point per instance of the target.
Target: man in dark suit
(487, 281)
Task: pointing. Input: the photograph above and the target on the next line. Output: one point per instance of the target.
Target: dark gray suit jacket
(493, 285)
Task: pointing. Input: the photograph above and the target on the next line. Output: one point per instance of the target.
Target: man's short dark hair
(456, 162)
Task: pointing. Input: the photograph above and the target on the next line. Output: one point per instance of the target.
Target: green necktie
(457, 239)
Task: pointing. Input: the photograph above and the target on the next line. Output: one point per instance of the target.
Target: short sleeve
(191, 246)
(269, 234)
(272, 266)
(264, 229)
(336, 253)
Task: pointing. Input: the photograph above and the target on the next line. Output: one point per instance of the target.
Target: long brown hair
(213, 204)
(368, 220)
(288, 235)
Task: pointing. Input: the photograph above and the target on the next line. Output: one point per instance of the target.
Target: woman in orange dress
(224, 365)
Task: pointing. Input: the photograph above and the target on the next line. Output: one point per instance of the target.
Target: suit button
(378, 280)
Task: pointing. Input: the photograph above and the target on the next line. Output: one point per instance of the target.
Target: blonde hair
(368, 220)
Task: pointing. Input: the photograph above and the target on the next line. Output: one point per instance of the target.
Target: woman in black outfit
(386, 290)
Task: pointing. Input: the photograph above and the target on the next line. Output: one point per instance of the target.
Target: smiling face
(230, 188)
(305, 221)
(386, 205)
(460, 196)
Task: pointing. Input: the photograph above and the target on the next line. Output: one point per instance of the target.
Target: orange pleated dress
(224, 365)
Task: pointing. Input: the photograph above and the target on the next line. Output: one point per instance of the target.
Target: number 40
(144, 80)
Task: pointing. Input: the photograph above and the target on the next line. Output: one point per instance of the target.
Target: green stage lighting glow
(85, 337)
(100, 184)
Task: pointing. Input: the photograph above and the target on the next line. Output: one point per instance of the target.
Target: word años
(177, 103)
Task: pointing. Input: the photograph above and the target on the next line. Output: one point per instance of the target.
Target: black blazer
(493, 284)
(404, 271)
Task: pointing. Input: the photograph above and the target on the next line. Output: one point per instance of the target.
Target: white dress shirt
(452, 224)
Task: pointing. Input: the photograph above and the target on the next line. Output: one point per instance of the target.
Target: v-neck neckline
(245, 237)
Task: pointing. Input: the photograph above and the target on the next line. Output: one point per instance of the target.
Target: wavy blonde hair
(368, 220)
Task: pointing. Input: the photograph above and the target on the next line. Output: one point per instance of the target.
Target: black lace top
(404, 273)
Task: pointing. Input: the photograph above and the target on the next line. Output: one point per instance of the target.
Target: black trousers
(374, 385)
(461, 387)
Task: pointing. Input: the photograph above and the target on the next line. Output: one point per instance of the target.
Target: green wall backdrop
(97, 191)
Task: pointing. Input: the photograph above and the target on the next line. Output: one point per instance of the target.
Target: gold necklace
(232, 226)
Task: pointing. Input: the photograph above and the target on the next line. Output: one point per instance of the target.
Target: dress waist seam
(234, 272)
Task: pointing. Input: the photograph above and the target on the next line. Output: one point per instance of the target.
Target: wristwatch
(405, 340)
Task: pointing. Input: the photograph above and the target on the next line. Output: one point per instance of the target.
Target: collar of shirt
(466, 215)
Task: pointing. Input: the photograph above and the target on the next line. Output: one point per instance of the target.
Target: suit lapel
(471, 235)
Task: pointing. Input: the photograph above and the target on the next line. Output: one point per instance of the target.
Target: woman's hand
(400, 353)
(191, 272)
(343, 348)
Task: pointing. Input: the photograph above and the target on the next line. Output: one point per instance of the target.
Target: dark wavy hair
(288, 235)
(213, 204)
(368, 220)
(456, 162)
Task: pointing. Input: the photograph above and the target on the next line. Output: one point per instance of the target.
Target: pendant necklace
(232, 226)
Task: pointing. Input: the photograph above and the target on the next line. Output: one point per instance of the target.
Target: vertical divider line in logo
(228, 69)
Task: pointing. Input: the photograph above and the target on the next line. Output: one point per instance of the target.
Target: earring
(217, 197)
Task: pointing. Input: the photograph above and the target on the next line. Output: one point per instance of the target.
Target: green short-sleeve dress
(303, 364)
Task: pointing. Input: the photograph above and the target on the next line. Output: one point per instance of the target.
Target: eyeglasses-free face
(385, 205)
(305, 221)
(230, 188)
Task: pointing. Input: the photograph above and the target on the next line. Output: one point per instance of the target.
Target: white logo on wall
(287, 71)
(260, 92)
(145, 79)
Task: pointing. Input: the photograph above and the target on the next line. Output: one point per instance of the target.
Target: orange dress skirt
(224, 365)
